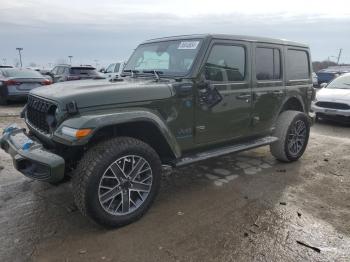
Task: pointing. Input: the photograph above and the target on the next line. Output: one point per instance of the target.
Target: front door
(224, 93)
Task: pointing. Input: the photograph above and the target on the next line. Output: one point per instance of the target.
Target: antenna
(339, 55)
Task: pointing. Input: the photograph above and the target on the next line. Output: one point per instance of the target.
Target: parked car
(315, 80)
(181, 100)
(114, 70)
(328, 74)
(6, 66)
(16, 83)
(61, 73)
(333, 101)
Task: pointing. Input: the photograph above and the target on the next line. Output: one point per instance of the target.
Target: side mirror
(323, 85)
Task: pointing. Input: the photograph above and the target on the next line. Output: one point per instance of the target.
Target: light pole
(70, 59)
(19, 49)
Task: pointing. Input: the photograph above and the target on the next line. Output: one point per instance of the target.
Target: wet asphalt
(243, 207)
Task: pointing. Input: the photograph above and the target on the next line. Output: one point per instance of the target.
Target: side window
(110, 68)
(297, 65)
(54, 71)
(60, 70)
(226, 63)
(116, 69)
(267, 63)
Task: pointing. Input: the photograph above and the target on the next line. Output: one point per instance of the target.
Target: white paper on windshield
(188, 45)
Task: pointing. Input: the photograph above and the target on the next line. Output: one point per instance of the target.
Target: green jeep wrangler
(180, 100)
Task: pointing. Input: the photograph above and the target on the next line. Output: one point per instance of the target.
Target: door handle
(278, 92)
(243, 96)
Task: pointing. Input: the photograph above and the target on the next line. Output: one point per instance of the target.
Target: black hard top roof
(230, 37)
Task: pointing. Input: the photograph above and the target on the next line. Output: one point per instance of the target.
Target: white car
(314, 79)
(114, 70)
(333, 100)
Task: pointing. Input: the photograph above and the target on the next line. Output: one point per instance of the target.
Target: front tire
(116, 181)
(292, 131)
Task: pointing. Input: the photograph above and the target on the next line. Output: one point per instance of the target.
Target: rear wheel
(116, 181)
(292, 130)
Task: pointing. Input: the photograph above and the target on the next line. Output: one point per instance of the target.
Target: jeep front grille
(37, 110)
(333, 105)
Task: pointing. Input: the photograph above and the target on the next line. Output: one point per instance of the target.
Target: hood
(333, 94)
(87, 93)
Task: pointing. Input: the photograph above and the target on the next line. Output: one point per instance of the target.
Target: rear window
(297, 65)
(21, 73)
(82, 71)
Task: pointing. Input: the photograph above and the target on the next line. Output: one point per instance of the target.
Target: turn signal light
(81, 133)
(77, 133)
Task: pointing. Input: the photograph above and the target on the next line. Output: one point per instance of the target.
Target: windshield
(167, 57)
(21, 73)
(342, 82)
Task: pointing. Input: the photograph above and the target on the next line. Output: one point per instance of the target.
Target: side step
(225, 150)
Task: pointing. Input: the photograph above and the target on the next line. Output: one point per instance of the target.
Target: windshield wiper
(133, 72)
(155, 72)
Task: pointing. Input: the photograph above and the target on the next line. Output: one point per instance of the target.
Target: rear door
(223, 98)
(299, 75)
(268, 85)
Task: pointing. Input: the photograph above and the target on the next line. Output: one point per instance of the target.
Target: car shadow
(233, 190)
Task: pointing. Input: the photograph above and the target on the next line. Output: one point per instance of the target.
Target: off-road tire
(90, 169)
(284, 126)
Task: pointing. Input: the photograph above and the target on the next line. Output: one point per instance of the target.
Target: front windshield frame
(341, 82)
(163, 71)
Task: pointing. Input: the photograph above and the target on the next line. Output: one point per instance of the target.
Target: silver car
(15, 83)
(333, 100)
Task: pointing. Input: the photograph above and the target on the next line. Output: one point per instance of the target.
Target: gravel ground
(244, 207)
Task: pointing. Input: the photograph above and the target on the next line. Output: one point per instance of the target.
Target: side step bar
(225, 150)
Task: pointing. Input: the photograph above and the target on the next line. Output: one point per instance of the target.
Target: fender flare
(292, 96)
(99, 121)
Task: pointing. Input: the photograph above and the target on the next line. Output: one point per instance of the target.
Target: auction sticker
(188, 45)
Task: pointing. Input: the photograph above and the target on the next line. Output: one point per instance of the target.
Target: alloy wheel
(125, 185)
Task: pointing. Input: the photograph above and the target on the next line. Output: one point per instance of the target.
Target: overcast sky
(109, 30)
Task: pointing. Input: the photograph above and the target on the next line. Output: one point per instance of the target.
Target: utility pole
(19, 49)
(70, 59)
(339, 55)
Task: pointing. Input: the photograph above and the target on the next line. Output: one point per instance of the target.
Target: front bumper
(330, 112)
(30, 157)
(312, 118)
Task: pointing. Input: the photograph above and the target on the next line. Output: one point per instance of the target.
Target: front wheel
(116, 181)
(292, 131)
